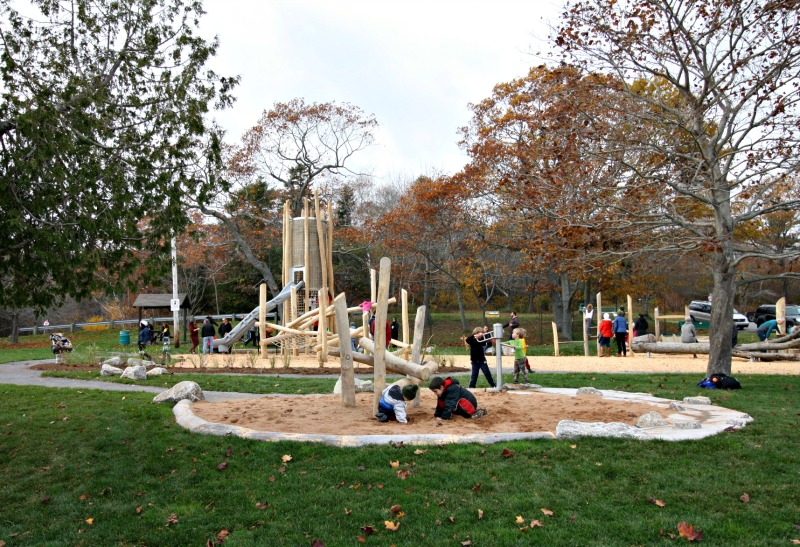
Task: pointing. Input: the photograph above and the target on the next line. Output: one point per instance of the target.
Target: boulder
(651, 419)
(157, 371)
(181, 391)
(114, 362)
(362, 386)
(571, 429)
(137, 372)
(108, 370)
(697, 400)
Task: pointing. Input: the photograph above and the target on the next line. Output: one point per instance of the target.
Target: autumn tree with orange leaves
(529, 145)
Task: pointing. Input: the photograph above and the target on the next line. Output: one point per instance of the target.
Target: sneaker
(479, 413)
(381, 417)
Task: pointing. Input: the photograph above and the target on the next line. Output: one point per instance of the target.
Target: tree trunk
(464, 325)
(15, 327)
(724, 272)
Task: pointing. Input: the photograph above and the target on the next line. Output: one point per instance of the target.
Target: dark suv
(700, 310)
(766, 312)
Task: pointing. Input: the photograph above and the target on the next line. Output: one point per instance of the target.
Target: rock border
(690, 419)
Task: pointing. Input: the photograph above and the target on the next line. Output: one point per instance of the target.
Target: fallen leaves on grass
(657, 503)
(403, 474)
(286, 458)
(173, 519)
(391, 525)
(687, 531)
(547, 511)
(744, 498)
(506, 453)
(480, 514)
(368, 530)
(394, 464)
(222, 466)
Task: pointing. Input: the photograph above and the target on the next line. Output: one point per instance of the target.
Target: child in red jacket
(453, 399)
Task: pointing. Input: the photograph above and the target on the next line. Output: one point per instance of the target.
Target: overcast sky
(414, 65)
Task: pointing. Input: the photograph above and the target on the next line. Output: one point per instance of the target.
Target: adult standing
(395, 329)
(477, 357)
(640, 326)
(620, 329)
(513, 323)
(207, 332)
(194, 335)
(689, 333)
(225, 327)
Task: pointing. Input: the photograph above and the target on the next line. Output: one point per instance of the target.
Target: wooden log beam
(396, 364)
(343, 326)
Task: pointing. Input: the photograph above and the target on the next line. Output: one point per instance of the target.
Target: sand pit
(531, 414)
(508, 411)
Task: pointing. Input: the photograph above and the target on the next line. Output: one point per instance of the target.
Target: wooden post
(416, 347)
(630, 323)
(373, 283)
(322, 328)
(404, 326)
(585, 335)
(262, 319)
(555, 338)
(329, 252)
(293, 314)
(780, 313)
(345, 351)
(599, 318)
(658, 325)
(379, 337)
(287, 265)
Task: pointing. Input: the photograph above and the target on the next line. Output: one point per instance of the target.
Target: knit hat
(410, 392)
(606, 316)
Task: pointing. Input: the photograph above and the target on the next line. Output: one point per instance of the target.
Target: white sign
(493, 313)
(174, 304)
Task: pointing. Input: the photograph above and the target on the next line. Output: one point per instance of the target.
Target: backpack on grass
(719, 381)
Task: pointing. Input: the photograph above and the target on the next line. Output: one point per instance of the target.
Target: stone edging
(687, 421)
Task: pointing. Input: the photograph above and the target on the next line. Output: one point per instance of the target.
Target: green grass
(116, 458)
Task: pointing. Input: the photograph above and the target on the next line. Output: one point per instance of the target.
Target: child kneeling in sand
(453, 399)
(392, 405)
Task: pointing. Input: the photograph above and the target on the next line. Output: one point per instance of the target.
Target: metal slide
(225, 343)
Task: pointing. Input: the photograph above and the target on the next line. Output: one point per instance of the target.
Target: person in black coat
(640, 326)
(452, 399)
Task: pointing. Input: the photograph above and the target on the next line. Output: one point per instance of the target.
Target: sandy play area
(508, 411)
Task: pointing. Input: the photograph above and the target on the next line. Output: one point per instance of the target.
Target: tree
(729, 124)
(292, 146)
(528, 147)
(102, 121)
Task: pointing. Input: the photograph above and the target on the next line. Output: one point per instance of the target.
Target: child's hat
(410, 392)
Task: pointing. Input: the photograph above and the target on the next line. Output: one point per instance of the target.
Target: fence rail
(71, 327)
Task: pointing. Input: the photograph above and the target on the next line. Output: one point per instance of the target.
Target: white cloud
(415, 65)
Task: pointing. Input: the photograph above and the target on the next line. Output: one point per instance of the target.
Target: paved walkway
(22, 374)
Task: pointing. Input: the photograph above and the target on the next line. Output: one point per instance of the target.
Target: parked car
(766, 312)
(700, 310)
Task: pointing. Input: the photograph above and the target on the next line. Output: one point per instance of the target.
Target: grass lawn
(103, 468)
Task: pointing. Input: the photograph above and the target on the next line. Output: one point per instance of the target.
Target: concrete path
(22, 374)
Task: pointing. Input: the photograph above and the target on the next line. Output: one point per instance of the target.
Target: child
(604, 334)
(520, 349)
(453, 399)
(392, 405)
(477, 356)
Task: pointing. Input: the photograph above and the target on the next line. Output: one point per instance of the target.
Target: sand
(508, 411)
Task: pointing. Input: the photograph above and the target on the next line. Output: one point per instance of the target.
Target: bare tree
(710, 122)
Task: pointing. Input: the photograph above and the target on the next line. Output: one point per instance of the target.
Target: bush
(95, 328)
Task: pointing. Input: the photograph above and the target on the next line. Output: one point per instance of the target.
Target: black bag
(723, 381)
